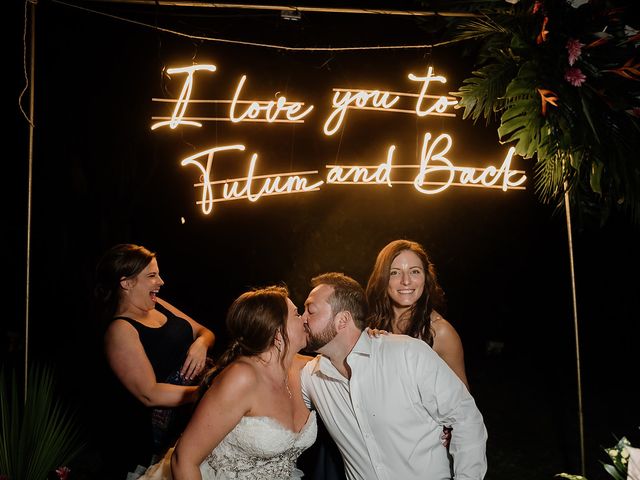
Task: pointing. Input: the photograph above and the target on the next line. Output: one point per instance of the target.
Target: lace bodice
(259, 448)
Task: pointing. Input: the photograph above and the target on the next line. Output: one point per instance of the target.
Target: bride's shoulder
(239, 375)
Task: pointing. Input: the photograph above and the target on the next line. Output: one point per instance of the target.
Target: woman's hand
(197, 353)
(374, 332)
(196, 359)
(131, 365)
(445, 438)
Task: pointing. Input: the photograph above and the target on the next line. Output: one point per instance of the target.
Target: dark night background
(101, 177)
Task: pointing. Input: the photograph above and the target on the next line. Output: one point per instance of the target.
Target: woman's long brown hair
(381, 312)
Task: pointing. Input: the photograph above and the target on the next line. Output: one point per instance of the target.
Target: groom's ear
(342, 319)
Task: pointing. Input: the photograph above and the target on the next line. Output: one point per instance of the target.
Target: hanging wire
(254, 44)
(24, 61)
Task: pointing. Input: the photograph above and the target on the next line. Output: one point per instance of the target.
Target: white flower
(577, 3)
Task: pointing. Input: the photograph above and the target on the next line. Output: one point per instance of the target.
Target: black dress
(145, 433)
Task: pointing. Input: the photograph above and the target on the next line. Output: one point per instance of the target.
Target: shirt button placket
(365, 428)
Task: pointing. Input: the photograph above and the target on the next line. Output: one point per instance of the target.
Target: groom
(385, 400)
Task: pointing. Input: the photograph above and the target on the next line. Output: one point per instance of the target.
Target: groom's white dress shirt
(387, 419)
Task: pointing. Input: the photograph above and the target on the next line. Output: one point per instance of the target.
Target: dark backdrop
(102, 177)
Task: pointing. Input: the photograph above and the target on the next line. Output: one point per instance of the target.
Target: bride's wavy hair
(381, 312)
(253, 321)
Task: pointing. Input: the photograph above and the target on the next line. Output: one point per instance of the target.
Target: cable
(254, 44)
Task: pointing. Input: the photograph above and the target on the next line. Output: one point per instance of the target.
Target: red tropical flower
(542, 36)
(629, 70)
(547, 96)
(63, 472)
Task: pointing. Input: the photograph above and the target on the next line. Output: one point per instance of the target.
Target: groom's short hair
(348, 295)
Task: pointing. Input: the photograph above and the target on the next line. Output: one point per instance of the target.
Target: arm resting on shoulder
(130, 364)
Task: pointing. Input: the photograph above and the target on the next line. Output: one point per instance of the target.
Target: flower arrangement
(562, 78)
(625, 462)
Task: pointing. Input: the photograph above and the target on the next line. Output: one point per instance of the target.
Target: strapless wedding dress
(258, 448)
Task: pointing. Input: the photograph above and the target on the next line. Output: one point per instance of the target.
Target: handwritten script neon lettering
(358, 98)
(441, 104)
(183, 101)
(433, 162)
(272, 108)
(282, 111)
(435, 171)
(243, 187)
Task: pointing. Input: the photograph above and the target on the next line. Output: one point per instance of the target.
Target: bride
(252, 422)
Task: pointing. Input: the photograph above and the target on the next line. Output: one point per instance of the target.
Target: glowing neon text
(435, 174)
(272, 108)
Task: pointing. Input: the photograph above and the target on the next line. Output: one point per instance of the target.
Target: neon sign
(434, 173)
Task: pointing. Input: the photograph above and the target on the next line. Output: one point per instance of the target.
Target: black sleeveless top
(146, 433)
(165, 346)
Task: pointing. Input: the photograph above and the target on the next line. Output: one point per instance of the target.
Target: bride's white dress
(258, 448)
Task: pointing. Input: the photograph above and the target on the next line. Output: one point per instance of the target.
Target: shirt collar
(363, 345)
(324, 366)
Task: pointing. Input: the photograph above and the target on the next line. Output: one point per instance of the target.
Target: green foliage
(564, 84)
(38, 434)
(619, 455)
(481, 95)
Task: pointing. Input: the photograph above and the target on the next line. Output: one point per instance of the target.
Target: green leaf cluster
(586, 144)
(620, 462)
(37, 434)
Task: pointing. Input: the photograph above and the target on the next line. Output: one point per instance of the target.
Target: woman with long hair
(155, 351)
(251, 422)
(404, 296)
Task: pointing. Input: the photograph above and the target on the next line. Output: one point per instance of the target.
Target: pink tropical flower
(536, 7)
(63, 472)
(574, 76)
(574, 50)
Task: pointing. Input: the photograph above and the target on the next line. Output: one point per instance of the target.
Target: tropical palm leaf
(478, 28)
(577, 112)
(481, 95)
(38, 434)
(550, 174)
